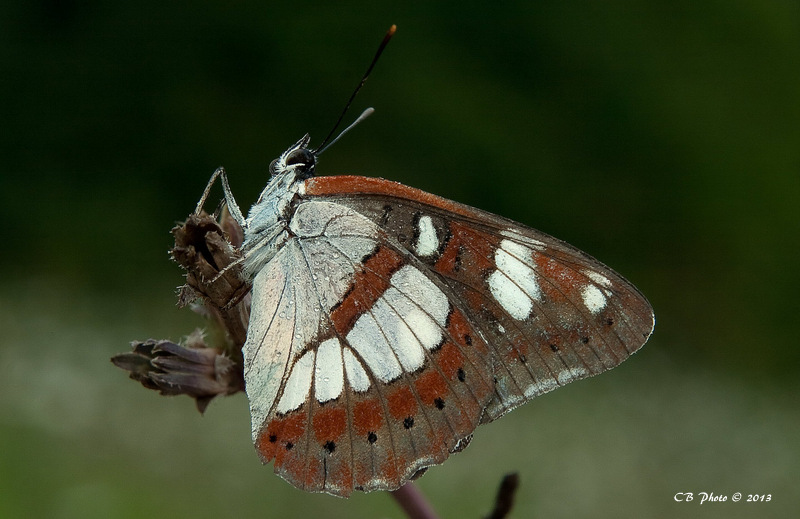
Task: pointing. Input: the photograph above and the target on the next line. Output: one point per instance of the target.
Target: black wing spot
(330, 446)
(372, 437)
(457, 259)
(289, 446)
(439, 402)
(461, 374)
(415, 226)
(554, 348)
(585, 340)
(273, 438)
(609, 321)
(447, 237)
(385, 217)
(468, 339)
(523, 358)
(408, 423)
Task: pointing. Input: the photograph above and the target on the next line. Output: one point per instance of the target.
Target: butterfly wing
(393, 322)
(549, 312)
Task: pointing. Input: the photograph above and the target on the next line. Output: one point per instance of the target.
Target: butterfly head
(298, 160)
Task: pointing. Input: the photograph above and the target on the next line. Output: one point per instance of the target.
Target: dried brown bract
(208, 250)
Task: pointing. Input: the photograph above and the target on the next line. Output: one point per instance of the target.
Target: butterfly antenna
(382, 46)
(366, 113)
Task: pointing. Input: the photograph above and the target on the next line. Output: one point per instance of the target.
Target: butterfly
(387, 323)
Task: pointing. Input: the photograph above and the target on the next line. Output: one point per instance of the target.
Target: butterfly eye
(302, 157)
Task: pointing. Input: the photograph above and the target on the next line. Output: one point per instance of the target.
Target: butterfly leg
(233, 207)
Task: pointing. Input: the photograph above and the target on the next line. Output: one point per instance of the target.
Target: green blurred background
(661, 137)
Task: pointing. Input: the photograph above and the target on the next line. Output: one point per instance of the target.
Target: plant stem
(413, 502)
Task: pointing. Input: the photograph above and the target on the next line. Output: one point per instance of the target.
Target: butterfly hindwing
(550, 313)
(384, 376)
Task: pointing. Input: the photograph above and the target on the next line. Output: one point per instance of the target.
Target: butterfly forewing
(550, 313)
